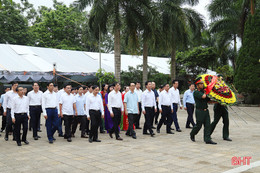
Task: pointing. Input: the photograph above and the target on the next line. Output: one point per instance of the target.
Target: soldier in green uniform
(201, 113)
(221, 111)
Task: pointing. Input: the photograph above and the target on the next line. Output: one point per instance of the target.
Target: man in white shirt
(67, 107)
(2, 109)
(20, 115)
(9, 96)
(166, 109)
(59, 94)
(175, 102)
(81, 118)
(50, 111)
(149, 108)
(35, 103)
(94, 111)
(116, 109)
(139, 94)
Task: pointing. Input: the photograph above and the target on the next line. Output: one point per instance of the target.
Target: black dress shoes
(211, 142)
(227, 139)
(35, 138)
(188, 127)
(138, 128)
(111, 135)
(84, 136)
(192, 138)
(26, 142)
(134, 136)
(152, 134)
(179, 130)
(97, 140)
(50, 142)
(61, 135)
(19, 144)
(119, 139)
(69, 140)
(170, 133)
(158, 131)
(90, 140)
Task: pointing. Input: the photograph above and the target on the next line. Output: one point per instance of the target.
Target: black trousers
(190, 111)
(68, 124)
(20, 119)
(166, 115)
(9, 123)
(35, 113)
(156, 114)
(137, 119)
(95, 118)
(131, 119)
(87, 126)
(3, 122)
(82, 120)
(148, 119)
(116, 121)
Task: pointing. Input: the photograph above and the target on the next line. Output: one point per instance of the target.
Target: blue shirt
(80, 102)
(156, 94)
(188, 97)
(2, 99)
(131, 100)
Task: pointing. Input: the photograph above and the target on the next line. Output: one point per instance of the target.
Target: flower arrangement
(218, 90)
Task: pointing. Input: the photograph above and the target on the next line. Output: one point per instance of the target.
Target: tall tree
(116, 12)
(177, 25)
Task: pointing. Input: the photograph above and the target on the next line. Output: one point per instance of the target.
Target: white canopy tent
(26, 63)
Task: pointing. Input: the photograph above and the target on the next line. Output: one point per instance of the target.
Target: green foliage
(105, 77)
(135, 75)
(14, 27)
(197, 60)
(247, 74)
(227, 72)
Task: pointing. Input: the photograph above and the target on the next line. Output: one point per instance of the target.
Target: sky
(201, 7)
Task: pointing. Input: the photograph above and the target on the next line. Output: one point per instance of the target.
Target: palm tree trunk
(252, 7)
(235, 50)
(173, 63)
(145, 55)
(117, 54)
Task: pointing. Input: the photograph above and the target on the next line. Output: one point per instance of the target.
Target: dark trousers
(20, 119)
(166, 116)
(52, 122)
(3, 122)
(60, 126)
(156, 114)
(116, 121)
(131, 118)
(35, 114)
(68, 119)
(82, 120)
(174, 116)
(220, 111)
(87, 126)
(149, 115)
(202, 118)
(101, 125)
(190, 110)
(9, 123)
(137, 120)
(95, 118)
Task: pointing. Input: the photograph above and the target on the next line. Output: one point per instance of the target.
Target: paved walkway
(163, 153)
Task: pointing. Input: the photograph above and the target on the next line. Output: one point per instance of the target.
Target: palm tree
(116, 13)
(177, 25)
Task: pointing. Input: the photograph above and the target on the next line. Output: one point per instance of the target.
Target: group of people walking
(106, 109)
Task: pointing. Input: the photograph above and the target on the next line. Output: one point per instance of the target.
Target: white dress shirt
(35, 99)
(165, 99)
(67, 101)
(175, 94)
(49, 100)
(19, 105)
(9, 96)
(94, 103)
(139, 93)
(148, 99)
(115, 100)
